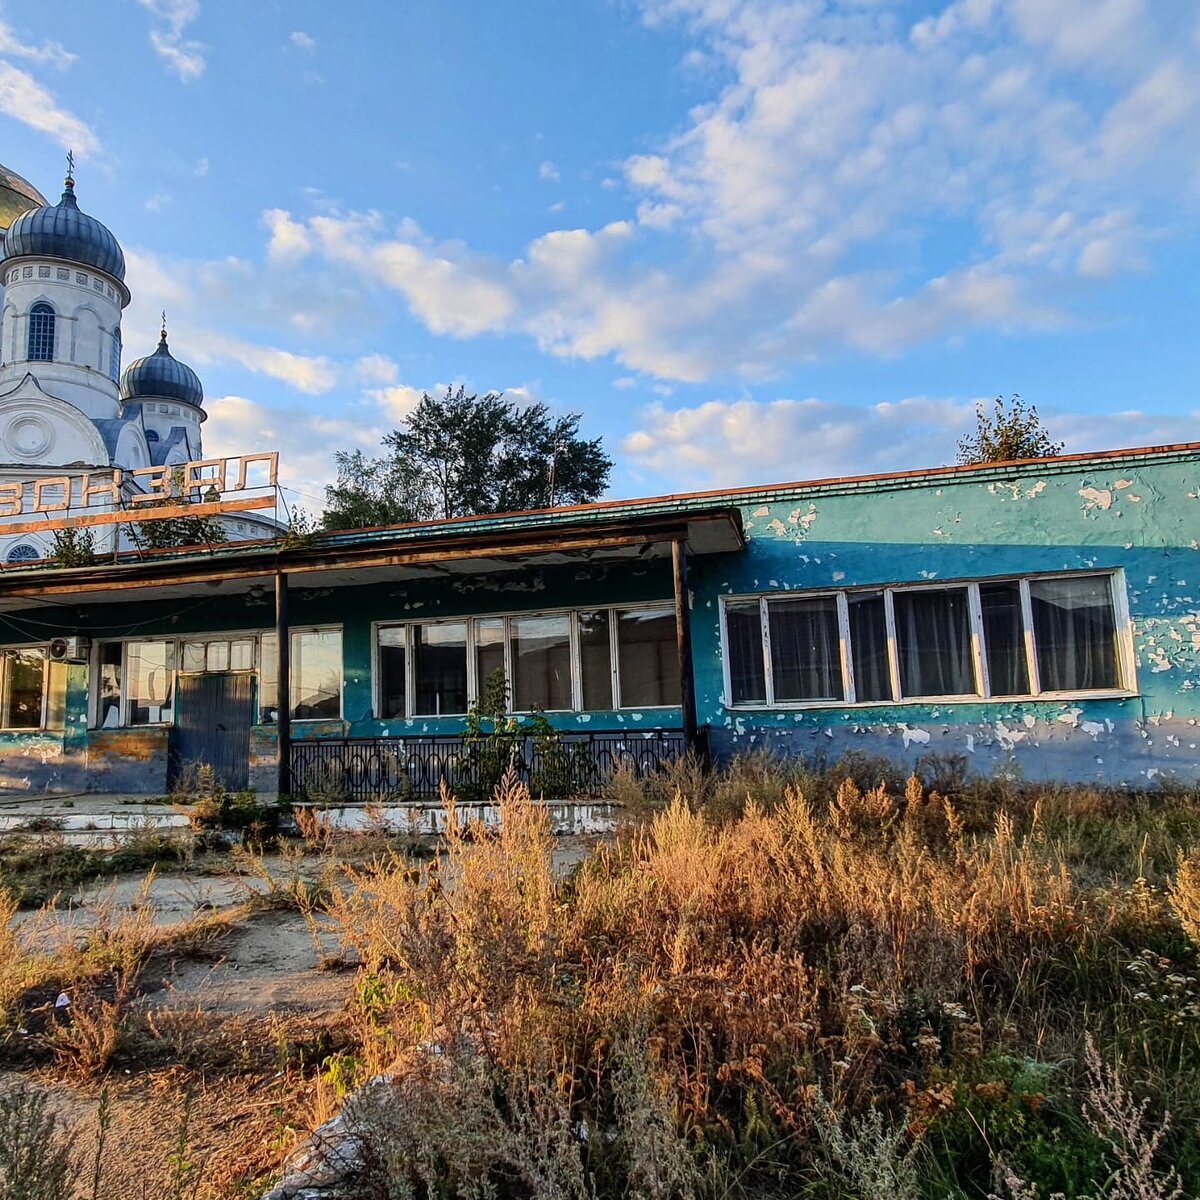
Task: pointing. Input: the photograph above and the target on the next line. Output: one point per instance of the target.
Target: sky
(748, 241)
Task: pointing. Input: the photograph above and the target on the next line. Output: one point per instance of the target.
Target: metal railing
(414, 768)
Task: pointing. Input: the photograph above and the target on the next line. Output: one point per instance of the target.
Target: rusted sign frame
(166, 484)
(207, 508)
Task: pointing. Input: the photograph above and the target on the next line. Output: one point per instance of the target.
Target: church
(66, 406)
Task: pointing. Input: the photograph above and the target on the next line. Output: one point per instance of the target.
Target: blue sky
(748, 241)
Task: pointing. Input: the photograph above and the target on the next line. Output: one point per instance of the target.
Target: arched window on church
(41, 332)
(114, 361)
(23, 552)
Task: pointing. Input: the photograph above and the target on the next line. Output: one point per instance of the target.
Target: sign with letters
(115, 496)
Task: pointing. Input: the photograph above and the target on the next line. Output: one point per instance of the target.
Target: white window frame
(473, 681)
(257, 635)
(1122, 622)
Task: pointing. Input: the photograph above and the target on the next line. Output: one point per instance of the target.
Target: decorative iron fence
(414, 768)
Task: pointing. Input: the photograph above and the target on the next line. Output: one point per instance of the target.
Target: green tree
(173, 533)
(1013, 430)
(462, 455)
(373, 491)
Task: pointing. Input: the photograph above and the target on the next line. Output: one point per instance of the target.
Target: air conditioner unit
(70, 649)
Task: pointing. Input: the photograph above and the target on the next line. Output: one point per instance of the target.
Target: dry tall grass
(874, 969)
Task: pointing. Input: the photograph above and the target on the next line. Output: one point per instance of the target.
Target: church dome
(17, 195)
(161, 376)
(63, 230)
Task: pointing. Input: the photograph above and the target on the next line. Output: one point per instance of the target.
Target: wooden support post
(683, 645)
(283, 695)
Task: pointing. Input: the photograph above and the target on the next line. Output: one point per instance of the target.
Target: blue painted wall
(1139, 514)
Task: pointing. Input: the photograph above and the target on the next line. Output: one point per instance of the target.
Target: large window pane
(541, 660)
(1004, 638)
(869, 646)
(1075, 633)
(440, 654)
(218, 656)
(268, 679)
(24, 678)
(806, 661)
(391, 673)
(150, 688)
(316, 670)
(595, 660)
(744, 645)
(647, 659)
(192, 656)
(489, 653)
(56, 696)
(109, 713)
(933, 643)
(241, 654)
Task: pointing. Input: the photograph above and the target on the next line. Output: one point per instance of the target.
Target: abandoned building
(1040, 617)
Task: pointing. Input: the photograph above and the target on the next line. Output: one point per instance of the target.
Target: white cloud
(837, 135)
(157, 202)
(25, 100)
(377, 368)
(311, 374)
(728, 443)
(548, 171)
(201, 168)
(289, 240)
(52, 53)
(303, 41)
(181, 55)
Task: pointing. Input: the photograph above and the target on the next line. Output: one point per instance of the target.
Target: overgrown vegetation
(1013, 431)
(74, 547)
(790, 983)
(497, 741)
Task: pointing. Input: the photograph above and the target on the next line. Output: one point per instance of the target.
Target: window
(22, 688)
(114, 356)
(23, 552)
(315, 667)
(647, 657)
(41, 332)
(595, 660)
(440, 668)
(218, 654)
(1075, 632)
(563, 661)
(393, 682)
(1008, 637)
(109, 706)
(541, 660)
(933, 643)
(806, 649)
(316, 671)
(149, 683)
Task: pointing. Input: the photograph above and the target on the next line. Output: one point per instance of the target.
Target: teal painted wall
(1142, 517)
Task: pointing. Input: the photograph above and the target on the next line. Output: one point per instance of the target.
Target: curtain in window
(933, 643)
(1075, 632)
(869, 646)
(744, 645)
(806, 659)
(440, 666)
(1004, 638)
(151, 687)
